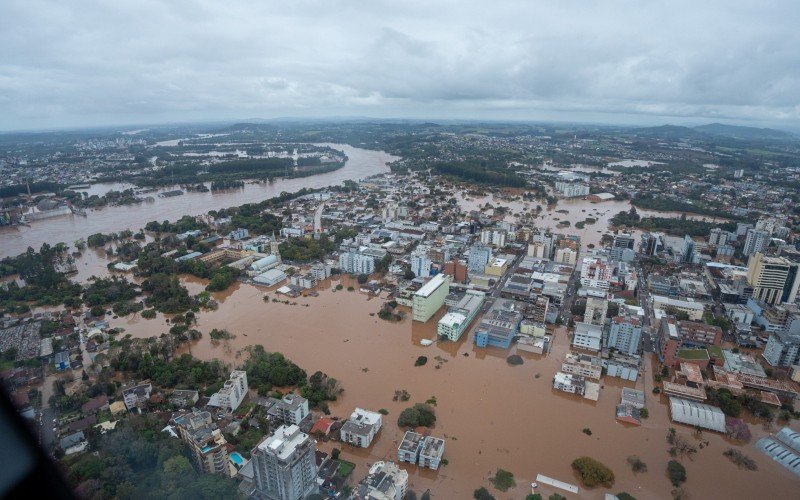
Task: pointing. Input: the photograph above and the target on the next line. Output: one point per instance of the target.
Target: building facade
(284, 465)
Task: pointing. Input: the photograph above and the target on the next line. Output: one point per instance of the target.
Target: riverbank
(14, 240)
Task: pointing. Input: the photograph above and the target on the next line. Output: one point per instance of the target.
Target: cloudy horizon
(90, 63)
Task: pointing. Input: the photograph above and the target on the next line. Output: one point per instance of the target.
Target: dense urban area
(399, 310)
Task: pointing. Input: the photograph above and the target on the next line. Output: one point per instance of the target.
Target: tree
(418, 415)
(362, 278)
(676, 472)
(592, 472)
(482, 494)
(503, 480)
(637, 465)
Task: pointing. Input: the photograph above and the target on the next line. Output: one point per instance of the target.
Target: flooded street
(15, 240)
(490, 413)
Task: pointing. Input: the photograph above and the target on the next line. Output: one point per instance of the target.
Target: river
(14, 240)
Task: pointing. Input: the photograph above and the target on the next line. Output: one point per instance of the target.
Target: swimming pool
(236, 458)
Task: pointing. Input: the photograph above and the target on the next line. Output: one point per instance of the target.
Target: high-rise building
(783, 348)
(774, 279)
(420, 264)
(622, 247)
(230, 396)
(757, 241)
(541, 246)
(688, 249)
(205, 441)
(496, 237)
(596, 272)
(284, 465)
(566, 256)
(717, 237)
(596, 310)
(428, 299)
(479, 256)
(356, 263)
(624, 334)
(571, 190)
(456, 270)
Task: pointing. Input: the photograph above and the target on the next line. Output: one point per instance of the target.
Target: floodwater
(577, 209)
(491, 414)
(15, 240)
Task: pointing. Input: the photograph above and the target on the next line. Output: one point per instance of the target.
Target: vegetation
(167, 294)
(676, 473)
(637, 465)
(418, 415)
(480, 172)
(482, 494)
(514, 360)
(271, 369)
(592, 472)
(740, 459)
(421, 361)
(139, 461)
(306, 250)
(503, 480)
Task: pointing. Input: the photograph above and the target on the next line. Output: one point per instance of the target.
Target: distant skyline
(88, 63)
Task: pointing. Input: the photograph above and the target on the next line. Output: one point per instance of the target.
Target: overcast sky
(78, 63)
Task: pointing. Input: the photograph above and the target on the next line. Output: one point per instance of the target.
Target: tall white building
(587, 336)
(420, 264)
(284, 465)
(232, 393)
(596, 272)
(428, 299)
(571, 189)
(757, 241)
(567, 256)
(362, 427)
(356, 263)
(496, 237)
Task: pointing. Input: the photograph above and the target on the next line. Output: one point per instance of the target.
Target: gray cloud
(97, 62)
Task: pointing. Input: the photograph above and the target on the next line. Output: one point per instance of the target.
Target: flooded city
(69, 228)
(491, 414)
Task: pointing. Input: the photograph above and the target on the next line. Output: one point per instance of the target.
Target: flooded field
(15, 240)
(490, 413)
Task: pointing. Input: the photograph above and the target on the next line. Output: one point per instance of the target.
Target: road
(318, 217)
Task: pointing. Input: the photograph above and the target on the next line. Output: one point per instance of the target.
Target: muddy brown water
(491, 414)
(15, 240)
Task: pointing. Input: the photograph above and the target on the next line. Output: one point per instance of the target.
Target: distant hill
(712, 130)
(749, 133)
(669, 132)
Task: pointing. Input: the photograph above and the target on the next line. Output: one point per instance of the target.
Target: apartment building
(385, 481)
(624, 334)
(587, 336)
(430, 297)
(230, 396)
(361, 428)
(774, 279)
(206, 443)
(458, 317)
(583, 365)
(284, 465)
